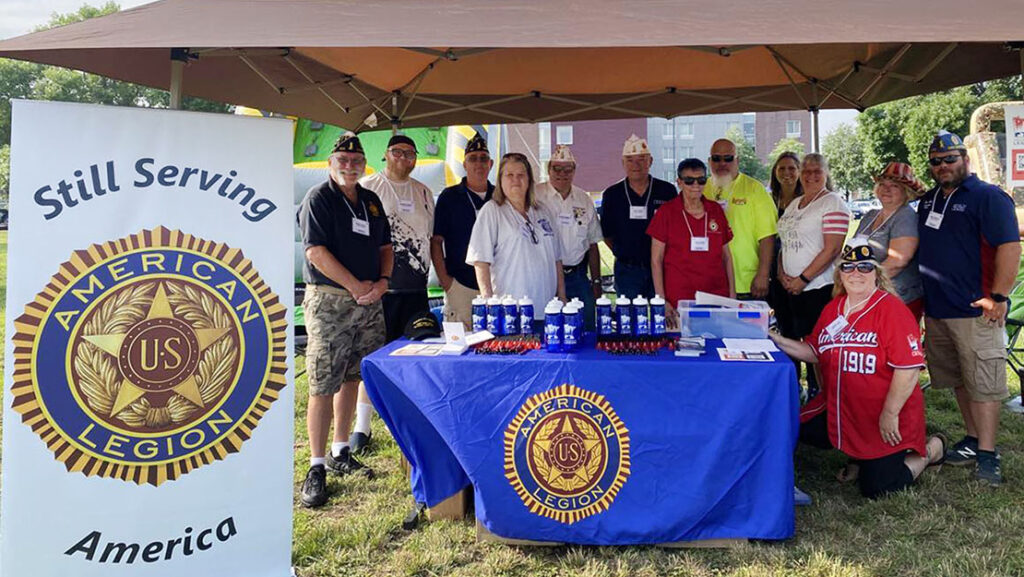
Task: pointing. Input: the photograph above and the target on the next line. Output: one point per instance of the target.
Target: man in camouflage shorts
(348, 251)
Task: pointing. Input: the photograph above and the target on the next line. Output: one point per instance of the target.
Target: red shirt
(687, 271)
(857, 365)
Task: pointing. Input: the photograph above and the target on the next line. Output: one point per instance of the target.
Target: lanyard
(686, 219)
(880, 225)
(846, 304)
(476, 211)
(394, 191)
(944, 204)
(647, 196)
(354, 217)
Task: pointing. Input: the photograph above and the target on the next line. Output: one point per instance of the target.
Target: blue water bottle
(526, 316)
(553, 326)
(511, 315)
(495, 317)
(604, 317)
(479, 314)
(570, 328)
(641, 319)
(658, 316)
(625, 316)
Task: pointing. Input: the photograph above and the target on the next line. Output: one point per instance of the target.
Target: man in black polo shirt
(626, 209)
(454, 217)
(347, 239)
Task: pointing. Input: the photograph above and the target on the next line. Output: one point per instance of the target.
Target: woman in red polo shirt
(688, 238)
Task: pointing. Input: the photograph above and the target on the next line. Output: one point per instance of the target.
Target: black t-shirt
(454, 217)
(629, 236)
(325, 219)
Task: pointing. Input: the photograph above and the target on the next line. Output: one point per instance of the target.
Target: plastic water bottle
(479, 314)
(641, 318)
(622, 311)
(570, 327)
(658, 316)
(553, 326)
(526, 316)
(495, 316)
(511, 315)
(604, 317)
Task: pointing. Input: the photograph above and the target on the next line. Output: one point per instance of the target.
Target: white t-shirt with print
(519, 267)
(575, 220)
(410, 209)
(801, 232)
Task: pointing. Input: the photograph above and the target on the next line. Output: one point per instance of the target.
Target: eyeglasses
(399, 153)
(479, 159)
(689, 180)
(563, 169)
(350, 160)
(722, 158)
(948, 159)
(861, 267)
(533, 233)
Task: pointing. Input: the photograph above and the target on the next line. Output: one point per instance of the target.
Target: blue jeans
(632, 280)
(578, 285)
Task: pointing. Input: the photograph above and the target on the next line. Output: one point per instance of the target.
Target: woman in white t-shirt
(812, 231)
(514, 247)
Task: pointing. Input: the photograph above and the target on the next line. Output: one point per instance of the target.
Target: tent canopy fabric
(434, 62)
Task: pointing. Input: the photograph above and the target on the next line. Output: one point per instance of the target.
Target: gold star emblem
(158, 355)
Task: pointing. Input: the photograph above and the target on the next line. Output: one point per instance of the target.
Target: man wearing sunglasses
(969, 254)
(579, 231)
(752, 216)
(626, 210)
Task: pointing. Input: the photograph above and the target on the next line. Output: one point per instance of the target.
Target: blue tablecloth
(703, 449)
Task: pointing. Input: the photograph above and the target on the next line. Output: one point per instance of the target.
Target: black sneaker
(988, 470)
(964, 453)
(345, 464)
(314, 488)
(360, 442)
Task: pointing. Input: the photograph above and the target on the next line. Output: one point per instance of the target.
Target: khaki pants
(968, 352)
(458, 304)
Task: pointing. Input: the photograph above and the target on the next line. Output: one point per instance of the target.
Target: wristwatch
(803, 278)
(999, 298)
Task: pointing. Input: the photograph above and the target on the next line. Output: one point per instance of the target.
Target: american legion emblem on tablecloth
(567, 454)
(149, 356)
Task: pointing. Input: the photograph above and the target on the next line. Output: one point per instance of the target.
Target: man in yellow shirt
(751, 215)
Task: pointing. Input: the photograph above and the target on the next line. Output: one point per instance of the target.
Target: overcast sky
(21, 16)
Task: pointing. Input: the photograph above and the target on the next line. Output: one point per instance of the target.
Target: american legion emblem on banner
(567, 454)
(149, 356)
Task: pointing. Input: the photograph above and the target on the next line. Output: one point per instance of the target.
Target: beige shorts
(967, 352)
(341, 333)
(458, 304)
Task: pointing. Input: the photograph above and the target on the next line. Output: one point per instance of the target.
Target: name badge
(934, 220)
(361, 226)
(638, 213)
(564, 219)
(699, 243)
(836, 326)
(405, 206)
(724, 204)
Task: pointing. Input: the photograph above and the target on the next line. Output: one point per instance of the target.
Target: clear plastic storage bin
(749, 322)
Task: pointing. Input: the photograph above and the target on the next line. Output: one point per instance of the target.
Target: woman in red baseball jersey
(867, 345)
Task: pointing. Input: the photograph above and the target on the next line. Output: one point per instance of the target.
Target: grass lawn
(947, 525)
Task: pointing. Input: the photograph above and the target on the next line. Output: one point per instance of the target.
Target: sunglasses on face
(722, 158)
(399, 153)
(563, 169)
(948, 159)
(689, 180)
(481, 159)
(861, 267)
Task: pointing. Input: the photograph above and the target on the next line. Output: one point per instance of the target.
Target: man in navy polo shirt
(969, 254)
(626, 209)
(454, 217)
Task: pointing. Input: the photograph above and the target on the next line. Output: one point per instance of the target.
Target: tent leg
(178, 58)
(394, 113)
(815, 130)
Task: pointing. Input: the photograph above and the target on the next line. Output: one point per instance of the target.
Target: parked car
(860, 207)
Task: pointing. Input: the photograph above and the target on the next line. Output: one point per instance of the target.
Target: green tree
(784, 145)
(5, 174)
(845, 153)
(750, 164)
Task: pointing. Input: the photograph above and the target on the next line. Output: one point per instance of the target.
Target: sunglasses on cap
(861, 267)
(948, 159)
(722, 157)
(689, 180)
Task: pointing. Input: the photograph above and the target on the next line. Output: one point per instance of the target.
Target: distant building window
(667, 155)
(685, 130)
(670, 175)
(563, 135)
(668, 131)
(544, 141)
(686, 152)
(793, 129)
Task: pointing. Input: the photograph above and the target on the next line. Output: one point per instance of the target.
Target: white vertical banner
(1014, 147)
(147, 425)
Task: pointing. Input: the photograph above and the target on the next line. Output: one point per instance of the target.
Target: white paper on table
(750, 345)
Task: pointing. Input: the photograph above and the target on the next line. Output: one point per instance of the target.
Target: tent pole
(815, 135)
(179, 56)
(394, 113)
